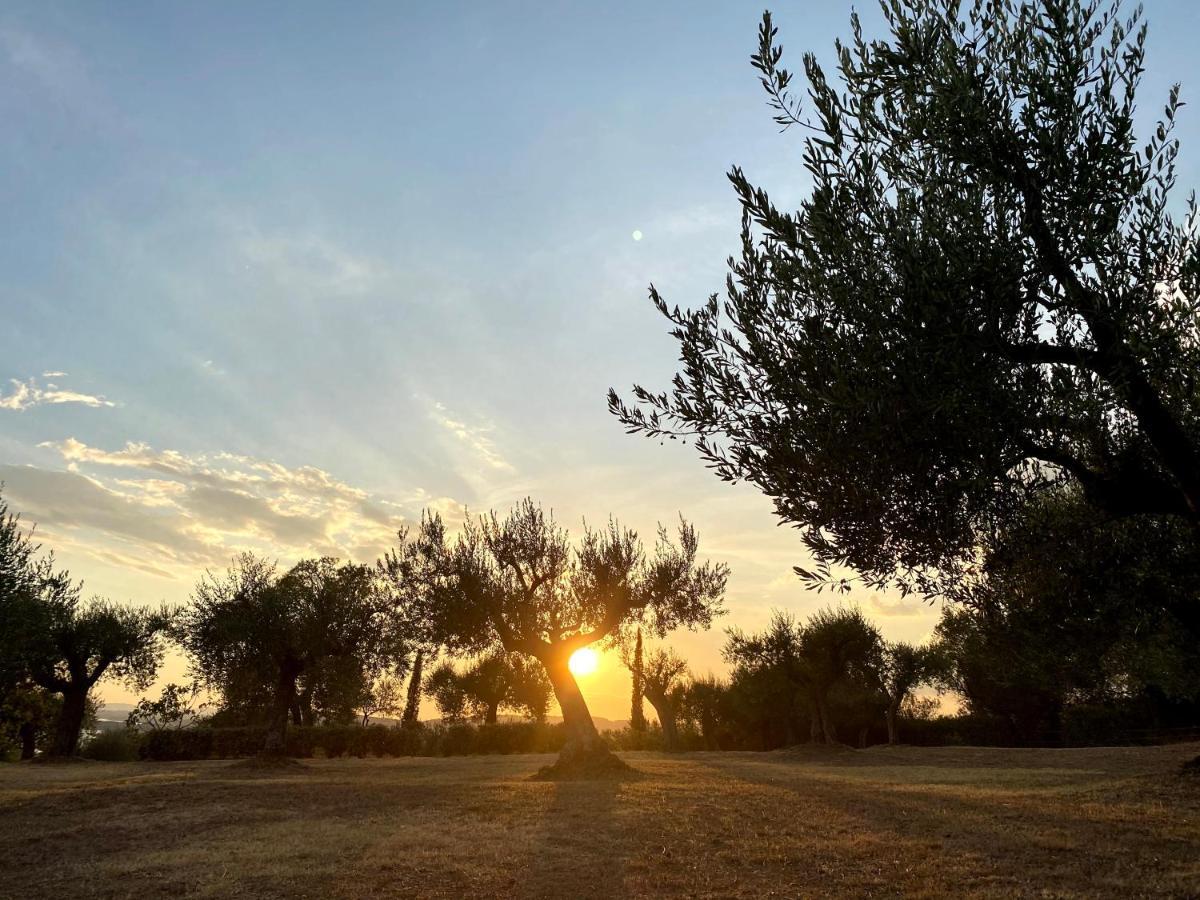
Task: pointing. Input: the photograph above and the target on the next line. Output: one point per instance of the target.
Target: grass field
(938, 822)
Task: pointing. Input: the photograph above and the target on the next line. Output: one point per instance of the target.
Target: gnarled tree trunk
(584, 753)
(70, 720)
(666, 717)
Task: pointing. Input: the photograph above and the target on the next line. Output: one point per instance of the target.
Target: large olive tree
(518, 583)
(985, 291)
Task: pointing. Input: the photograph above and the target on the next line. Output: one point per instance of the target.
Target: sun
(584, 661)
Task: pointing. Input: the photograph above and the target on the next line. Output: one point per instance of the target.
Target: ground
(916, 822)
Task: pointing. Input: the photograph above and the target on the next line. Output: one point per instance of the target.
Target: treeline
(1066, 635)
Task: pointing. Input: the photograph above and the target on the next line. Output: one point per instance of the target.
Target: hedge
(354, 740)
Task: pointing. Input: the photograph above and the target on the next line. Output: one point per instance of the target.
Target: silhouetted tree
(834, 647)
(90, 641)
(983, 294)
(517, 583)
(664, 686)
(255, 626)
(176, 707)
(412, 705)
(637, 716)
(705, 703)
(769, 674)
(444, 685)
(381, 698)
(902, 668)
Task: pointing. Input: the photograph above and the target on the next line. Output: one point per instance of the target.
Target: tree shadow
(580, 849)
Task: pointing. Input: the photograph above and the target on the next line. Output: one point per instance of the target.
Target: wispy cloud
(310, 263)
(28, 394)
(477, 438)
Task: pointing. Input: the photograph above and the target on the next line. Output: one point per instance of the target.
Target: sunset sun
(584, 661)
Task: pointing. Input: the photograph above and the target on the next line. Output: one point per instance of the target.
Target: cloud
(309, 264)
(475, 438)
(28, 394)
(172, 513)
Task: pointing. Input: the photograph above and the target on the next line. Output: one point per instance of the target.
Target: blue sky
(309, 268)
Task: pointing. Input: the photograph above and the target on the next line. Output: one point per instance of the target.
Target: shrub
(118, 745)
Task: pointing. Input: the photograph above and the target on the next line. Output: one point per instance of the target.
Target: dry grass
(880, 822)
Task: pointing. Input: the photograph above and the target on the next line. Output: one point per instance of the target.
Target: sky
(279, 276)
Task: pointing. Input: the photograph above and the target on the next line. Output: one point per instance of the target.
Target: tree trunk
(584, 755)
(828, 729)
(581, 730)
(285, 695)
(893, 730)
(491, 715)
(412, 707)
(70, 721)
(708, 730)
(307, 716)
(666, 718)
(296, 719)
(28, 735)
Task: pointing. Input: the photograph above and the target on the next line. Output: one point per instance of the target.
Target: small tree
(380, 699)
(664, 686)
(637, 716)
(517, 583)
(175, 708)
(495, 681)
(444, 685)
(704, 703)
(90, 641)
(903, 668)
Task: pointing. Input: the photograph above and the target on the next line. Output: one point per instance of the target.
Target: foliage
(984, 294)
(113, 745)
(518, 585)
(488, 684)
(254, 629)
(175, 708)
(355, 740)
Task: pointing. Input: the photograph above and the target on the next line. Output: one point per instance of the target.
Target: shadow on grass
(580, 849)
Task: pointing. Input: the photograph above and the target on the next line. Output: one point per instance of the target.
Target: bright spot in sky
(637, 235)
(584, 661)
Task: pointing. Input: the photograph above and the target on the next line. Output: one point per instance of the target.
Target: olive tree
(986, 291)
(516, 582)
(255, 626)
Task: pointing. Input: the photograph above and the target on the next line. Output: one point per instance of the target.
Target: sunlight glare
(584, 661)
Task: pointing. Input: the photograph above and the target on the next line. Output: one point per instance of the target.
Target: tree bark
(828, 729)
(492, 713)
(581, 729)
(412, 706)
(70, 720)
(275, 743)
(893, 730)
(666, 717)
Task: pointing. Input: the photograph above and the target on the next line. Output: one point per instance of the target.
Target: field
(931, 822)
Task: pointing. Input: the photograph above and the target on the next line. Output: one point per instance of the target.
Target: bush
(334, 741)
(118, 745)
